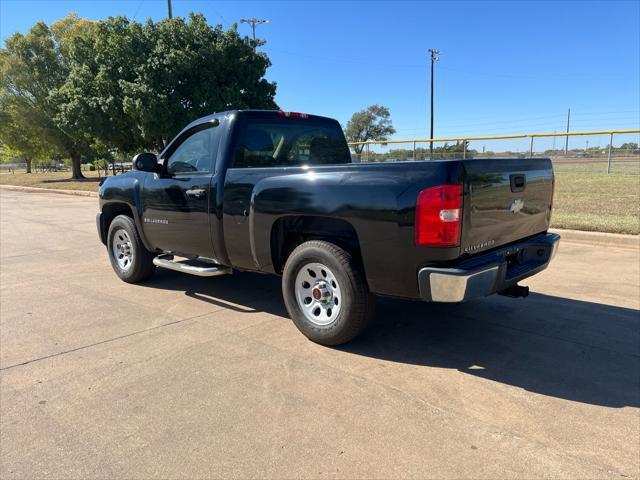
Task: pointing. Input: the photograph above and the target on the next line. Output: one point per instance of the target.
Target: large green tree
(134, 86)
(17, 139)
(33, 69)
(373, 123)
(85, 88)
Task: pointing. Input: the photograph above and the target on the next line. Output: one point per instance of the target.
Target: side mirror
(145, 162)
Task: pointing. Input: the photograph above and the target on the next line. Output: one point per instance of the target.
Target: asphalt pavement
(189, 377)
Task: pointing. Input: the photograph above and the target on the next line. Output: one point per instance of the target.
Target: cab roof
(250, 113)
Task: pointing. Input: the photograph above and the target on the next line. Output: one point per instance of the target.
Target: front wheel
(325, 293)
(129, 258)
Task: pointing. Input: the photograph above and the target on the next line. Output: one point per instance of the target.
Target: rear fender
(319, 205)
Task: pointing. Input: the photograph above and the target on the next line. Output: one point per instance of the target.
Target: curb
(76, 193)
(598, 238)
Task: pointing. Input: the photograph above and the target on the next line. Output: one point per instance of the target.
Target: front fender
(126, 190)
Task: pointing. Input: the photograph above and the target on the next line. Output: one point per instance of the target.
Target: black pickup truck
(278, 192)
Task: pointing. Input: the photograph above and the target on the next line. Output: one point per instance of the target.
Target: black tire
(141, 265)
(357, 303)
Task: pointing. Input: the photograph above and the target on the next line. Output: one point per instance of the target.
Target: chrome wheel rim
(122, 249)
(318, 293)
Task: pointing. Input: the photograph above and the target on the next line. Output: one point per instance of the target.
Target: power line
(343, 60)
(452, 69)
(224, 20)
(545, 127)
(527, 121)
(583, 114)
(530, 77)
(137, 10)
(482, 123)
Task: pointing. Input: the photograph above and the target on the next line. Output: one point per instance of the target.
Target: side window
(290, 144)
(256, 148)
(195, 153)
(315, 148)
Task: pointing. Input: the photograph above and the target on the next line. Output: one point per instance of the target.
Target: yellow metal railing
(496, 137)
(611, 133)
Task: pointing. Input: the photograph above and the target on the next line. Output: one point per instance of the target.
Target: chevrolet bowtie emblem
(516, 206)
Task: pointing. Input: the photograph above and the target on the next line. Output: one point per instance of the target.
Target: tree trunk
(28, 162)
(75, 166)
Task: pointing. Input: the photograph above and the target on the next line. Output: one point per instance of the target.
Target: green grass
(598, 202)
(599, 166)
(587, 198)
(55, 180)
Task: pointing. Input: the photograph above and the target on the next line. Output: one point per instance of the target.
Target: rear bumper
(488, 273)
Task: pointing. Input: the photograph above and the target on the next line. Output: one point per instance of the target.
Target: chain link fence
(615, 151)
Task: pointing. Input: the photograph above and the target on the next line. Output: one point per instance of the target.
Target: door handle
(196, 193)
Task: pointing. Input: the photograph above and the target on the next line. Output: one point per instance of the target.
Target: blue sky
(506, 67)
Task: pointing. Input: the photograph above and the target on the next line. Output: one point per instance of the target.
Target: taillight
(439, 216)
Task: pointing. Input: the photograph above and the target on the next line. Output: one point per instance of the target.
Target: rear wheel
(129, 258)
(325, 293)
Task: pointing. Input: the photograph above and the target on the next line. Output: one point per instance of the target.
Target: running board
(192, 267)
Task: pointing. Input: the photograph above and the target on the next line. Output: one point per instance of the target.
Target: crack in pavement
(109, 340)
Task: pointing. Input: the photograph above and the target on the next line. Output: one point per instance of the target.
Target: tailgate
(508, 199)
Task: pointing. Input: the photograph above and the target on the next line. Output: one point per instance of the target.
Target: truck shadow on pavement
(569, 349)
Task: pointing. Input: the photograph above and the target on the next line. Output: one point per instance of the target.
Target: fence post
(464, 149)
(531, 148)
(609, 155)
(367, 152)
(414, 151)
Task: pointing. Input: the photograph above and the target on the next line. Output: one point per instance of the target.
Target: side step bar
(192, 267)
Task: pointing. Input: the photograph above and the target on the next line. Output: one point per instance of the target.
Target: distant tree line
(628, 147)
(83, 90)
(446, 151)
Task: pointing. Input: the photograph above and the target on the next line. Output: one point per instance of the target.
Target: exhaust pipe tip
(515, 291)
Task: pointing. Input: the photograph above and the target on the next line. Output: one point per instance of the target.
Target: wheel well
(289, 232)
(111, 211)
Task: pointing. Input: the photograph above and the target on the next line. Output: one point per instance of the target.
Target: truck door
(176, 203)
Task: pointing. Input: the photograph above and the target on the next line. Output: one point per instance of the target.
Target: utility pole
(434, 59)
(566, 142)
(169, 7)
(253, 22)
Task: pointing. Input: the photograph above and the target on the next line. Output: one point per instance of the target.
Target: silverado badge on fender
(156, 220)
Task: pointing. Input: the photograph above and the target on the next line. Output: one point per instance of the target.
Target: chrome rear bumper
(489, 273)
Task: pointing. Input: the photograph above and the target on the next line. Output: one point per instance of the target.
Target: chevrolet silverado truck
(277, 192)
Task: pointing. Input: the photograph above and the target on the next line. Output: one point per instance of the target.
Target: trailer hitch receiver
(515, 291)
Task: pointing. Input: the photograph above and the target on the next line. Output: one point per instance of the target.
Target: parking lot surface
(186, 377)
